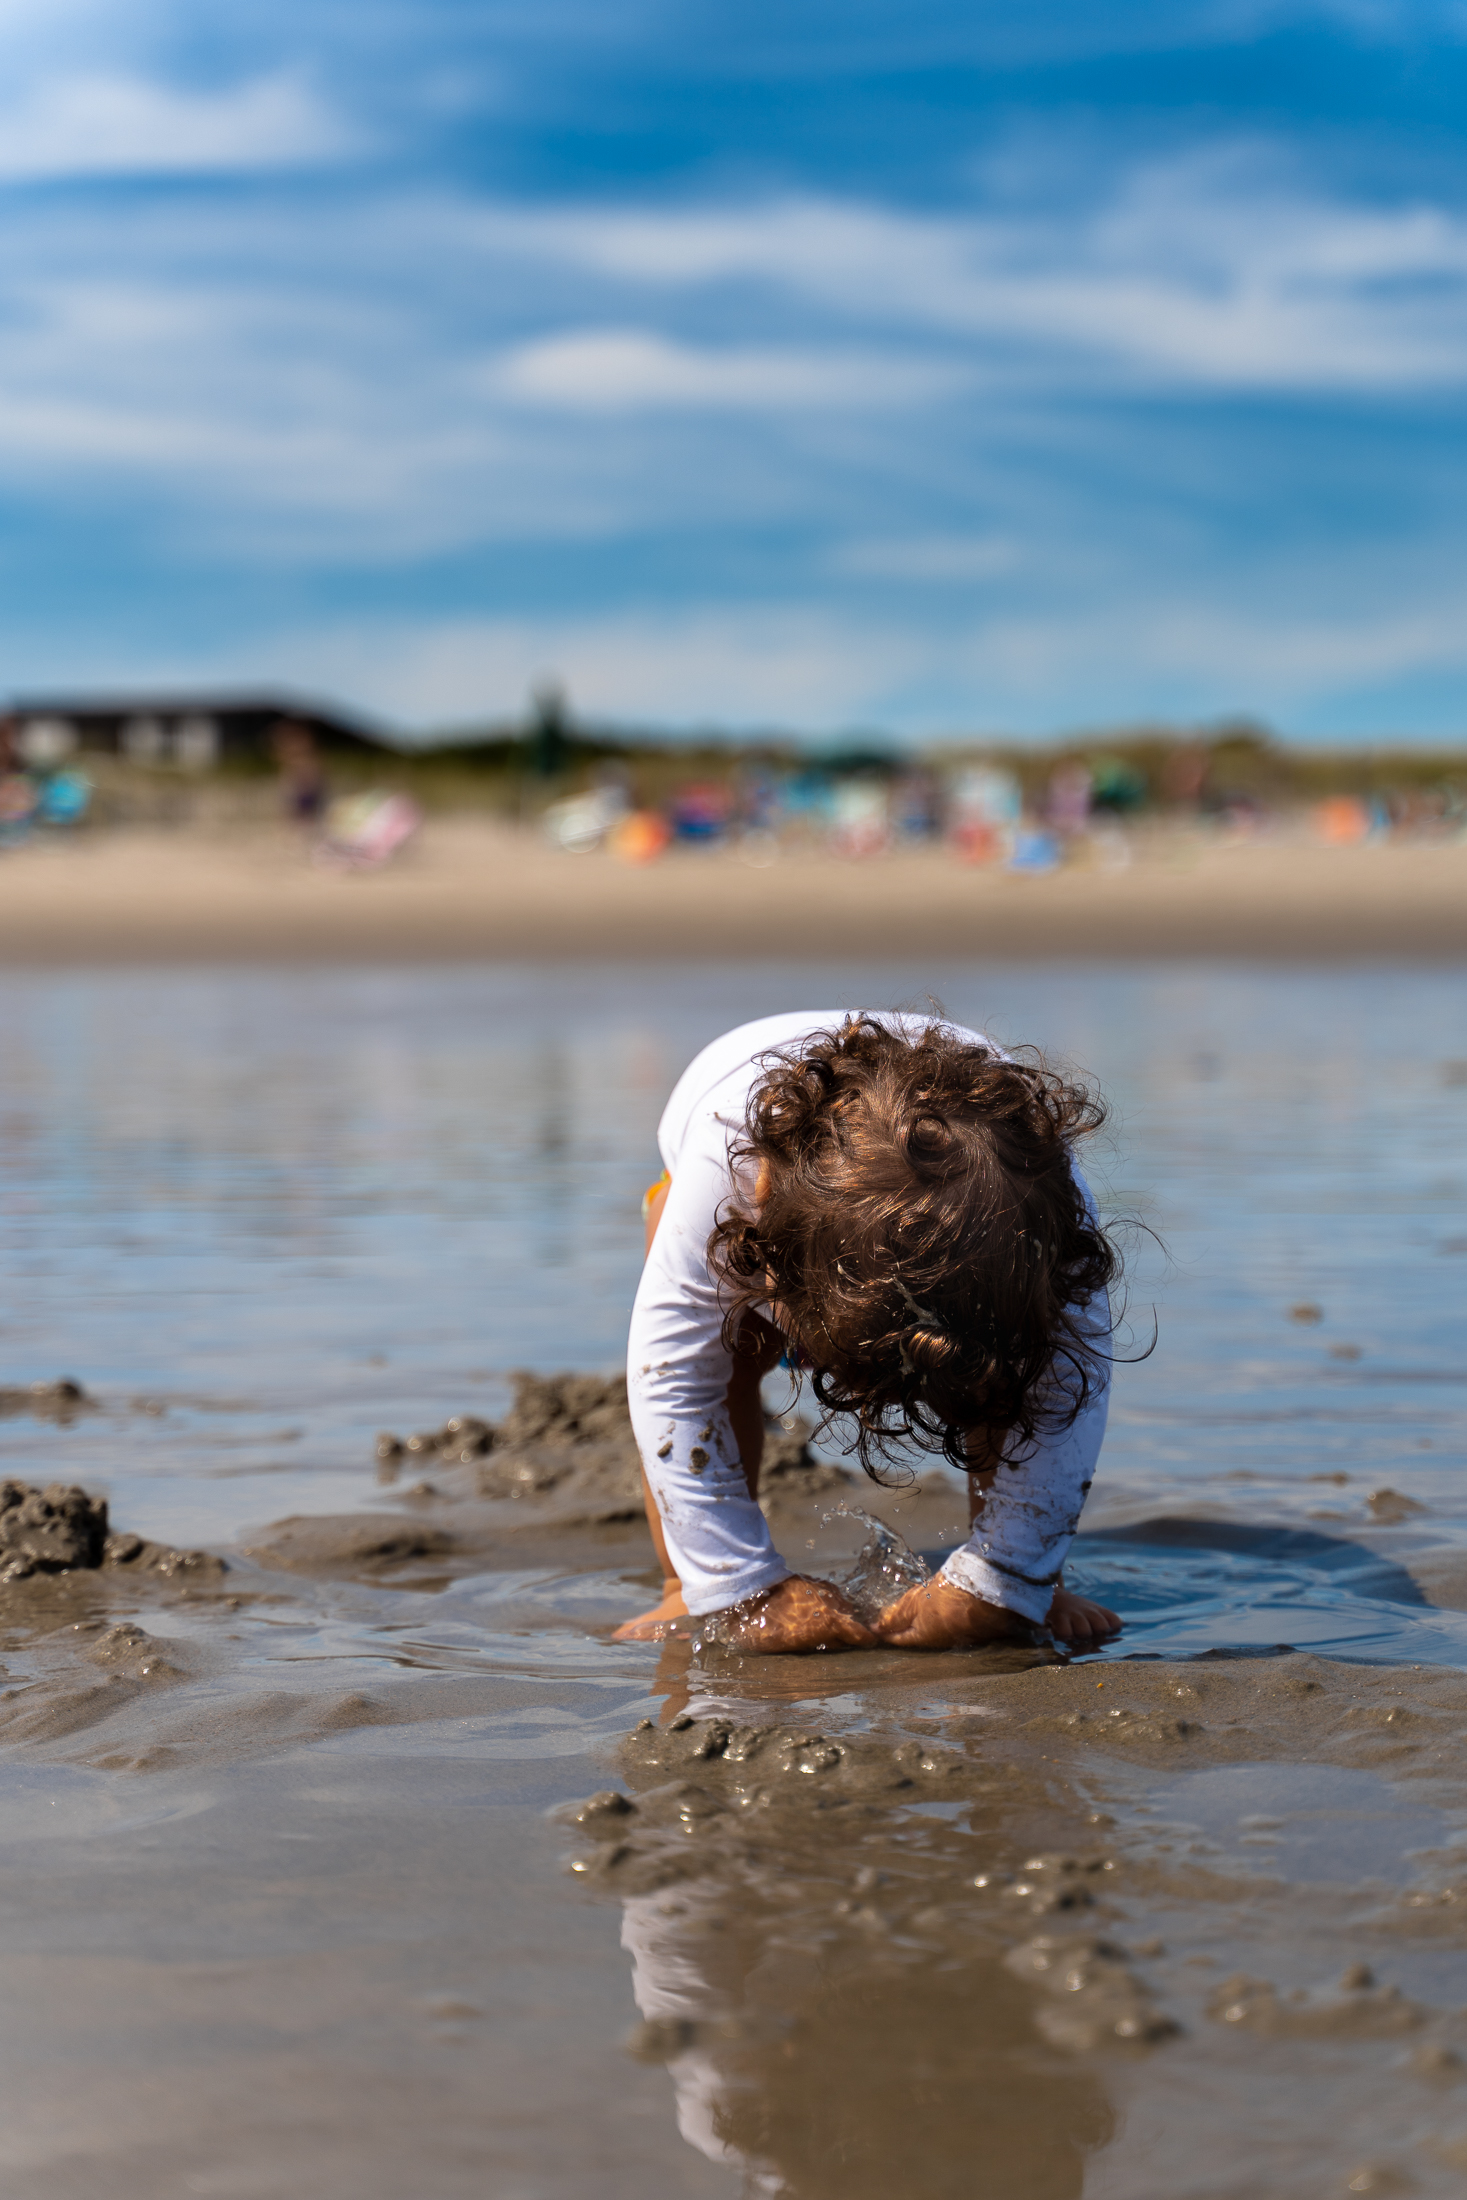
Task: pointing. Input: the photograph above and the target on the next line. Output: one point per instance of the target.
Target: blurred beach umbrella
(700, 812)
(581, 822)
(1116, 785)
(1343, 821)
(45, 743)
(639, 837)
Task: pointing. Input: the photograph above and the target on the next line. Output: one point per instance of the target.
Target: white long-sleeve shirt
(678, 1369)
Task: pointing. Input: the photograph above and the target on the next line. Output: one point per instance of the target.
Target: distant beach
(475, 889)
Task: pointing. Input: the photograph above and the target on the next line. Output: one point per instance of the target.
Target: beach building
(189, 732)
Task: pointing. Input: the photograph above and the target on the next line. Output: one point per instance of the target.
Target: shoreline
(472, 890)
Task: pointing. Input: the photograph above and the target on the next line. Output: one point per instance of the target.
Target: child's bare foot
(797, 1614)
(1080, 1623)
(937, 1615)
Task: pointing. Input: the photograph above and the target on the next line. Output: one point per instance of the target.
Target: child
(889, 1202)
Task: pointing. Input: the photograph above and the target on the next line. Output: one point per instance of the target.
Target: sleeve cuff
(1014, 1592)
(718, 1596)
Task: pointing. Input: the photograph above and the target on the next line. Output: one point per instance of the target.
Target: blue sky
(937, 369)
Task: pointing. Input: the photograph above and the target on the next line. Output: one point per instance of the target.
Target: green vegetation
(1145, 768)
(515, 770)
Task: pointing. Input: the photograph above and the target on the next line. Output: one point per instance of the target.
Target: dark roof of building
(250, 711)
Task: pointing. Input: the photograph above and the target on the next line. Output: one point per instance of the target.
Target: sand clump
(60, 1530)
(131, 1651)
(567, 1434)
(1357, 2008)
(569, 1437)
(562, 1459)
(1092, 1997)
(59, 1400)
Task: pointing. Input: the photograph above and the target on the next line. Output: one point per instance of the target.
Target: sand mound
(371, 1544)
(61, 1530)
(562, 1459)
(569, 1438)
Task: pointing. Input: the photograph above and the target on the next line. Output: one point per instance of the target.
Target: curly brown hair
(919, 1236)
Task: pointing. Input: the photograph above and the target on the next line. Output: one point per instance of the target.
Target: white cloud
(1217, 271)
(625, 370)
(120, 125)
(832, 394)
(371, 380)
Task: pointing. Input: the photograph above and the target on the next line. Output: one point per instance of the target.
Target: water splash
(885, 1567)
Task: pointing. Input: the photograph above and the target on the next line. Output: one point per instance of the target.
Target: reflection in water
(844, 1961)
(937, 1946)
(858, 2071)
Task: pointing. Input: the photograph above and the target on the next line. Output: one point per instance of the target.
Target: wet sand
(289, 1900)
(525, 1912)
(470, 890)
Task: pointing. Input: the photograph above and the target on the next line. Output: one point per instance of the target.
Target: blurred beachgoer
(985, 806)
(860, 823)
(916, 806)
(890, 1204)
(363, 831)
(1067, 804)
(17, 808)
(303, 786)
(1184, 776)
(17, 788)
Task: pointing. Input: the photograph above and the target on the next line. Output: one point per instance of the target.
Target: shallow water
(292, 1208)
(284, 1910)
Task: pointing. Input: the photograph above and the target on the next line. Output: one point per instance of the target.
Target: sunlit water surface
(288, 1209)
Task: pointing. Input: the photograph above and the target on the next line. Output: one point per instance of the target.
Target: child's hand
(1080, 1623)
(651, 1626)
(795, 1615)
(938, 1615)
